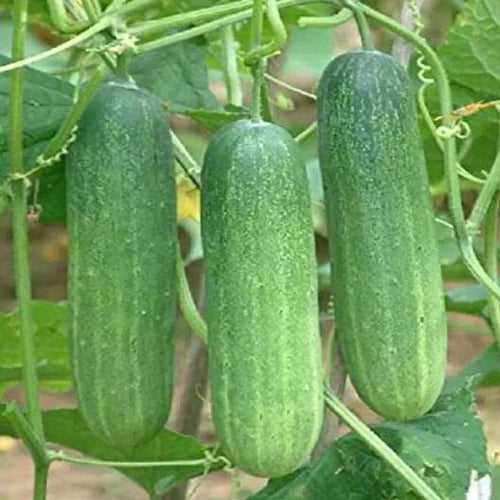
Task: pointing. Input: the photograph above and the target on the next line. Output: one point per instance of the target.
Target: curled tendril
(43, 162)
(211, 458)
(461, 129)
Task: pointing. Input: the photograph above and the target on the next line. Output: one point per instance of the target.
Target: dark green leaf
(66, 428)
(443, 447)
(484, 370)
(212, 120)
(177, 74)
(46, 102)
(52, 196)
(470, 54)
(50, 342)
(470, 299)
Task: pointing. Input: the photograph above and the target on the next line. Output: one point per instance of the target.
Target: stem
(363, 28)
(59, 17)
(20, 229)
(101, 25)
(280, 36)
(379, 446)
(188, 417)
(212, 26)
(306, 132)
(450, 153)
(338, 19)
(258, 76)
(432, 127)
(122, 8)
(90, 10)
(149, 28)
(186, 302)
(486, 194)
(60, 456)
(233, 82)
(490, 257)
(337, 375)
(257, 67)
(24, 431)
(287, 86)
(187, 162)
(484, 198)
(41, 478)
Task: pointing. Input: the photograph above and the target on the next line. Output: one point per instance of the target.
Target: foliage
(66, 428)
(444, 447)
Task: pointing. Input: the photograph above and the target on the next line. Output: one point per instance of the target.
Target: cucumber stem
(362, 24)
(379, 446)
(258, 66)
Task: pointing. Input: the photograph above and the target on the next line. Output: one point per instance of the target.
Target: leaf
(66, 428)
(177, 74)
(212, 120)
(309, 51)
(51, 346)
(484, 370)
(46, 101)
(443, 447)
(470, 53)
(470, 299)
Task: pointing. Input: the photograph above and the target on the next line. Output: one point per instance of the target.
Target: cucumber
(386, 279)
(121, 216)
(262, 314)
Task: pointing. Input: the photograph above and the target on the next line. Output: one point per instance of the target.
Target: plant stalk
(379, 446)
(233, 82)
(19, 220)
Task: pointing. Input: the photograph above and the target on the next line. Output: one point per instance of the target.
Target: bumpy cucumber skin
(387, 284)
(264, 346)
(121, 216)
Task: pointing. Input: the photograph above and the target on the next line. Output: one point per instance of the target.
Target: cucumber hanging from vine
(122, 257)
(386, 278)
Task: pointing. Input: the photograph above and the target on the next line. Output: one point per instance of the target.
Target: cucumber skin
(263, 340)
(122, 252)
(387, 284)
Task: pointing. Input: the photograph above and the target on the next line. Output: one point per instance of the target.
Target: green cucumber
(121, 216)
(386, 279)
(262, 314)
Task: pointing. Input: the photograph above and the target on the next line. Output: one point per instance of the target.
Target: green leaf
(212, 120)
(46, 102)
(67, 428)
(470, 54)
(51, 346)
(484, 370)
(443, 447)
(308, 51)
(177, 74)
(470, 299)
